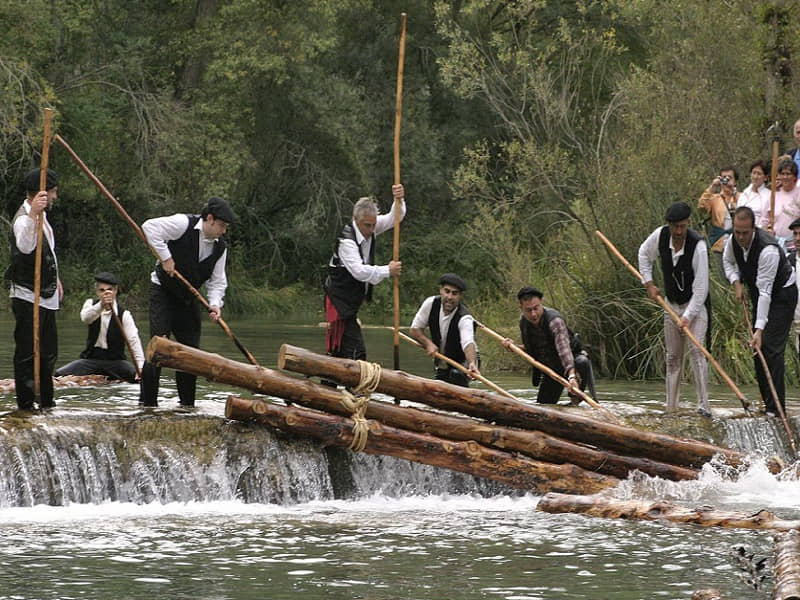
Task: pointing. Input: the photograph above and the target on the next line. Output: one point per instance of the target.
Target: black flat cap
(106, 277)
(454, 280)
(677, 211)
(529, 291)
(220, 209)
(32, 180)
(795, 223)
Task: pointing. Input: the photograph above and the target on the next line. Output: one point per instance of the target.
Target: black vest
(749, 269)
(185, 251)
(23, 266)
(452, 345)
(345, 291)
(541, 344)
(678, 278)
(115, 340)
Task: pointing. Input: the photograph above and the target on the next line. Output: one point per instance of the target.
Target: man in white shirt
(21, 275)
(352, 273)
(753, 256)
(111, 329)
(452, 330)
(193, 246)
(683, 256)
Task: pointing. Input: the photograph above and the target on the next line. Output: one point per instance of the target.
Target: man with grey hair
(352, 273)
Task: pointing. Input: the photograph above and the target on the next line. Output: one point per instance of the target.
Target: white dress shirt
(93, 310)
(754, 199)
(466, 326)
(25, 235)
(648, 253)
(768, 262)
(354, 254)
(161, 230)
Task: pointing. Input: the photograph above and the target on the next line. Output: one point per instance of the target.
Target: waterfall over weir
(164, 457)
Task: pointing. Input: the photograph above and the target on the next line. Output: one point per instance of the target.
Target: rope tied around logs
(356, 398)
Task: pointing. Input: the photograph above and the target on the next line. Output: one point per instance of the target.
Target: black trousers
(451, 375)
(773, 346)
(23, 354)
(114, 369)
(171, 315)
(352, 345)
(550, 390)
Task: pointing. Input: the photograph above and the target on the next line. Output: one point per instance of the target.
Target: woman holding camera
(719, 200)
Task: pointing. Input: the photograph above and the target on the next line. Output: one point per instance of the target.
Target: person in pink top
(787, 205)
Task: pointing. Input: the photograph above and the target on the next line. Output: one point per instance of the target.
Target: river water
(404, 531)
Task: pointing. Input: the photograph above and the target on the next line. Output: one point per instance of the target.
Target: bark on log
(467, 457)
(611, 508)
(164, 352)
(484, 405)
(531, 443)
(787, 566)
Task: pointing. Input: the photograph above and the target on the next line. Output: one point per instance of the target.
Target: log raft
(535, 444)
(787, 566)
(467, 457)
(484, 405)
(610, 508)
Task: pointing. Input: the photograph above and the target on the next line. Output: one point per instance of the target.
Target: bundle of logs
(528, 447)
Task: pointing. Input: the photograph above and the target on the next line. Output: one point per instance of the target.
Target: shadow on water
(100, 499)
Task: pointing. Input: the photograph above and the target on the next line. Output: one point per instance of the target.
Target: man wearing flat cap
(683, 256)
(352, 273)
(754, 258)
(548, 340)
(21, 273)
(111, 329)
(193, 246)
(452, 330)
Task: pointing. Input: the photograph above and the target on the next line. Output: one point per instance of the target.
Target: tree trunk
(531, 443)
(787, 566)
(467, 457)
(477, 403)
(611, 508)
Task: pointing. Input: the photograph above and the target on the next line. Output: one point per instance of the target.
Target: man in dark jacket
(193, 246)
(546, 338)
(753, 258)
(21, 274)
(352, 272)
(452, 330)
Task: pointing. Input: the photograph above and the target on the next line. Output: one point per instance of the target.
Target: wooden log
(610, 508)
(531, 443)
(467, 457)
(787, 566)
(484, 405)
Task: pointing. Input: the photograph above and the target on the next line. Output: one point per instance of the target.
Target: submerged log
(467, 457)
(164, 352)
(531, 443)
(610, 508)
(484, 405)
(787, 566)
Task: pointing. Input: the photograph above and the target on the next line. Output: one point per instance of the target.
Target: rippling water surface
(387, 546)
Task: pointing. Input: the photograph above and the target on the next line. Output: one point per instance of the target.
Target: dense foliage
(527, 124)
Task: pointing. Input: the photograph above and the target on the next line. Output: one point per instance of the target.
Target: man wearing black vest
(753, 256)
(104, 353)
(683, 256)
(193, 246)
(20, 274)
(452, 330)
(546, 338)
(352, 273)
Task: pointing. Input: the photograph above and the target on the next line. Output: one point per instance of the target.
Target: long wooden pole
(37, 270)
(461, 368)
(572, 389)
(771, 383)
(677, 319)
(773, 183)
(398, 113)
(140, 233)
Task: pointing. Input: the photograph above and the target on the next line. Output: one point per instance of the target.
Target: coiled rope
(355, 400)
